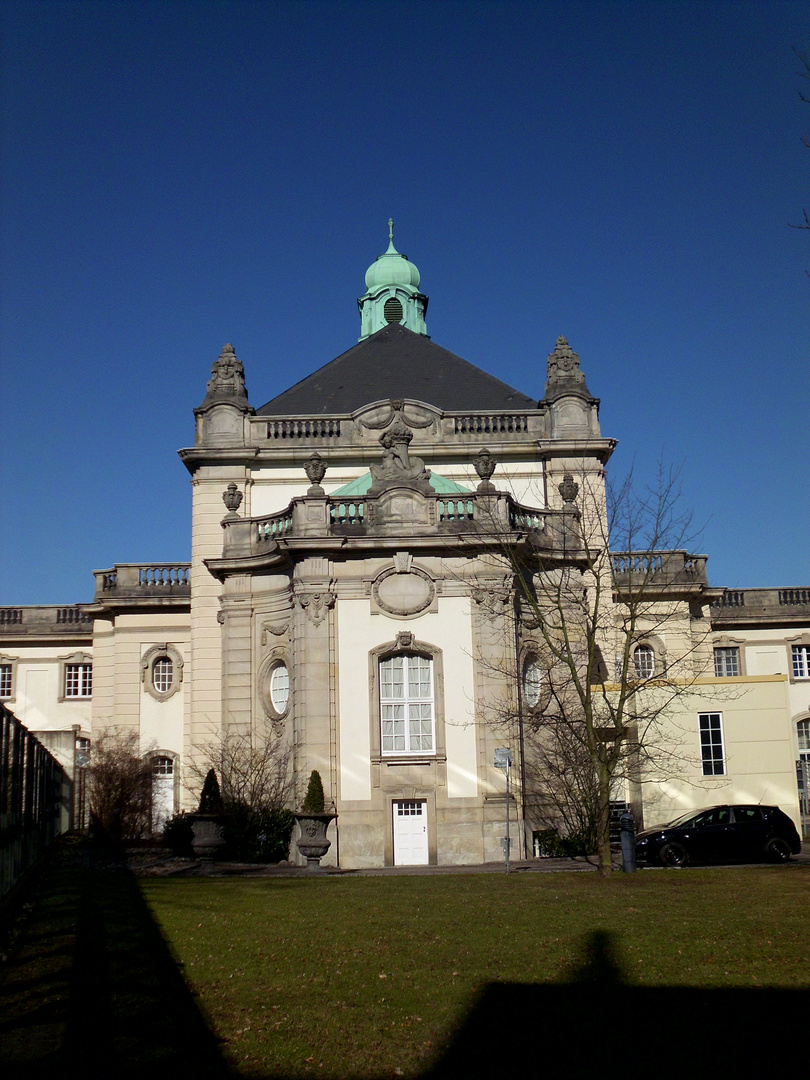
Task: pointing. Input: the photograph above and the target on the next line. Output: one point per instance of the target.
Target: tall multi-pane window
(78, 680)
(406, 705)
(5, 680)
(711, 744)
(801, 661)
(162, 674)
(644, 661)
(726, 662)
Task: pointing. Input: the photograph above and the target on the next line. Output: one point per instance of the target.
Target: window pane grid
(801, 661)
(162, 673)
(711, 744)
(5, 680)
(406, 704)
(726, 662)
(644, 662)
(78, 680)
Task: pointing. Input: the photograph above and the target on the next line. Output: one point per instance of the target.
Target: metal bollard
(628, 834)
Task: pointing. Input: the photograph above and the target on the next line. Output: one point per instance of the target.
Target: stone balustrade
(779, 607)
(143, 581)
(466, 429)
(46, 620)
(659, 568)
(491, 515)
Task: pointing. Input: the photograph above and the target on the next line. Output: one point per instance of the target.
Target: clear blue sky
(178, 175)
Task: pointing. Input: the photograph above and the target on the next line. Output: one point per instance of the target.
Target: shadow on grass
(598, 1024)
(93, 990)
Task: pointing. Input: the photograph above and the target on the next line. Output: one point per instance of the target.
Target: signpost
(503, 759)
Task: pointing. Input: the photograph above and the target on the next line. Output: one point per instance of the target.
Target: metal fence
(35, 799)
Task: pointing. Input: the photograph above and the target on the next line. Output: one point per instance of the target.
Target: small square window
(726, 662)
(78, 680)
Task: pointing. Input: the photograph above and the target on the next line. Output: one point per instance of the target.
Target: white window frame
(727, 656)
(8, 674)
(800, 661)
(406, 645)
(279, 688)
(712, 737)
(83, 663)
(647, 670)
(407, 716)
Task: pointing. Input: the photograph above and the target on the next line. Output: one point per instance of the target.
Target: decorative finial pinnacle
(391, 230)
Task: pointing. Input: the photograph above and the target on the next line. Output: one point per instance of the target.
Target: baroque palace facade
(346, 547)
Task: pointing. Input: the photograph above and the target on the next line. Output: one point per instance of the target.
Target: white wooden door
(410, 833)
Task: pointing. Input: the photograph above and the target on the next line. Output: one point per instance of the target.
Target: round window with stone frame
(276, 688)
(532, 681)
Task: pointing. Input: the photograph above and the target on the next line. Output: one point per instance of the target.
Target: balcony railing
(46, 620)
(658, 568)
(493, 515)
(756, 605)
(143, 581)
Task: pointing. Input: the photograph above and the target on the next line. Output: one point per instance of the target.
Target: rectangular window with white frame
(6, 680)
(406, 705)
(712, 750)
(726, 662)
(78, 680)
(801, 661)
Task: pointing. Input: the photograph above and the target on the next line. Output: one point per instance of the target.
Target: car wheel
(777, 850)
(673, 855)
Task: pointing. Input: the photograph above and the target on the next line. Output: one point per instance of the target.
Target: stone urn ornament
(207, 823)
(313, 821)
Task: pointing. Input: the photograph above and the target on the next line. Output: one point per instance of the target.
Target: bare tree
(253, 768)
(609, 630)
(804, 57)
(119, 785)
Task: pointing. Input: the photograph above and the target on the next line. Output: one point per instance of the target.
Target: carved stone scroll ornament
(397, 410)
(494, 596)
(315, 604)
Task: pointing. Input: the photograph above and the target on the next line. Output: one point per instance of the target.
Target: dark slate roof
(396, 363)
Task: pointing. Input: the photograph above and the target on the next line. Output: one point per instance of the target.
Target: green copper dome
(391, 268)
(392, 293)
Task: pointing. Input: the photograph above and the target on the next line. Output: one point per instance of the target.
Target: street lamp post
(503, 760)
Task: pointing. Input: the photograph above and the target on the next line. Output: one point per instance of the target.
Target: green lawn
(369, 977)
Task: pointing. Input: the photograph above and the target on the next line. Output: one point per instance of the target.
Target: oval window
(280, 688)
(532, 680)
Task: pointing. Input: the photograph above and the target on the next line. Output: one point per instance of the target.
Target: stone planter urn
(312, 843)
(207, 839)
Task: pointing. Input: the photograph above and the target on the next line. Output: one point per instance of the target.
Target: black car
(721, 834)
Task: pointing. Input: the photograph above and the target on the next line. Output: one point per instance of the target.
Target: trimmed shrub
(314, 802)
(210, 799)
